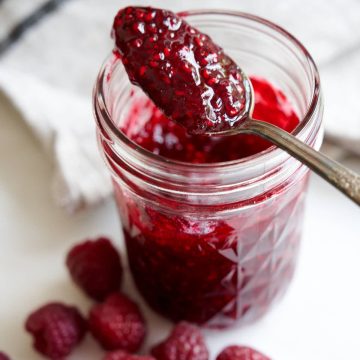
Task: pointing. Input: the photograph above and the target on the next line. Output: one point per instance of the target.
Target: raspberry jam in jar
(212, 225)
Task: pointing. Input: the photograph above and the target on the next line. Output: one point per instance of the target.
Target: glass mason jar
(217, 243)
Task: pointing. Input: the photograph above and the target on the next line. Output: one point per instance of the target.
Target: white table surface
(318, 318)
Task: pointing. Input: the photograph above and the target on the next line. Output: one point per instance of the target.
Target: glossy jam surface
(156, 133)
(169, 59)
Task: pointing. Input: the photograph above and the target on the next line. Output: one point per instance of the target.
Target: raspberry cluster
(116, 322)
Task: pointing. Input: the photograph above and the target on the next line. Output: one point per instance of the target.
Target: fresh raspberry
(184, 343)
(56, 329)
(182, 70)
(121, 355)
(5, 357)
(118, 324)
(95, 266)
(241, 353)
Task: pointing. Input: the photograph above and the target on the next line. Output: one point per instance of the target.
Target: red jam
(162, 136)
(169, 59)
(208, 268)
(211, 272)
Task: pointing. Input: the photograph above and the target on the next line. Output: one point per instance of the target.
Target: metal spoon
(336, 174)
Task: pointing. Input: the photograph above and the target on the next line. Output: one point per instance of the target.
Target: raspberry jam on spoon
(170, 60)
(196, 84)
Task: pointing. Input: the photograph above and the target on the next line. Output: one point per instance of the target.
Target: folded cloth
(51, 50)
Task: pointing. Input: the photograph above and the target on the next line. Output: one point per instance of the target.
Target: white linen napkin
(51, 51)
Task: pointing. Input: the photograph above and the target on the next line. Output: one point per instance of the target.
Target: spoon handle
(336, 174)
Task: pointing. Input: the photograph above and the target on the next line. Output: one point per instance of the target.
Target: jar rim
(253, 160)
